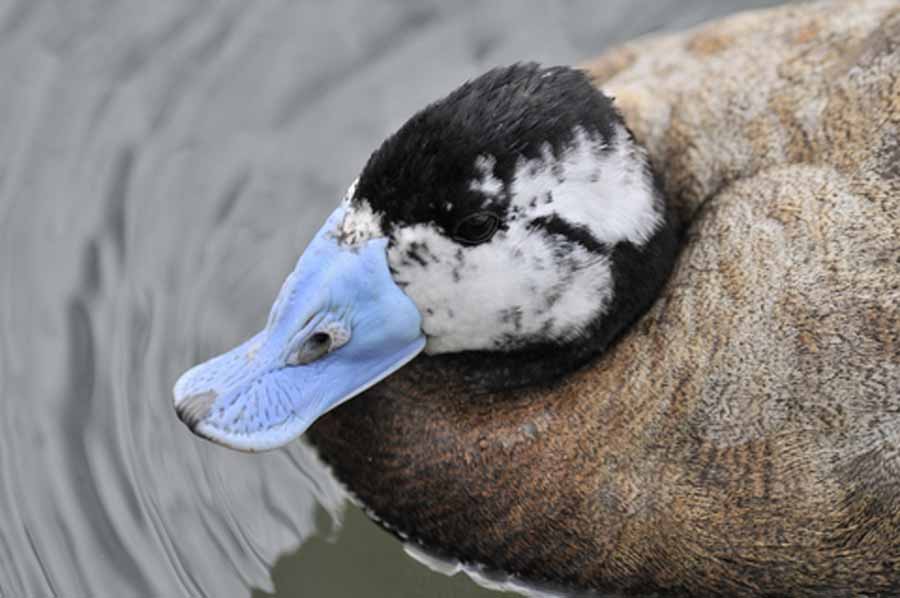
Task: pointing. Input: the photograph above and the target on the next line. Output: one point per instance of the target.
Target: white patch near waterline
(480, 574)
(484, 577)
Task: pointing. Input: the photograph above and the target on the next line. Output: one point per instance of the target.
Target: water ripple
(163, 164)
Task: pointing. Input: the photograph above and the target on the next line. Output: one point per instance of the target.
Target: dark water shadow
(365, 562)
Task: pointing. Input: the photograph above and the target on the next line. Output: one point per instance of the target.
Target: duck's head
(516, 216)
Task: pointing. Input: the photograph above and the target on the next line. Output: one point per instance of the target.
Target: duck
(628, 327)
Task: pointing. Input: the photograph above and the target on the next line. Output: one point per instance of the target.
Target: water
(162, 165)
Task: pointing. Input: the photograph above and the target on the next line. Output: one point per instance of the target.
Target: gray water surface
(162, 165)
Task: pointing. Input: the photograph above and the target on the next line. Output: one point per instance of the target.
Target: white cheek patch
(523, 286)
(606, 191)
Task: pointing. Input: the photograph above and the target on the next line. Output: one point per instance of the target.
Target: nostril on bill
(195, 408)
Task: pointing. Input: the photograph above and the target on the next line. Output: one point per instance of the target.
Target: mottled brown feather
(744, 436)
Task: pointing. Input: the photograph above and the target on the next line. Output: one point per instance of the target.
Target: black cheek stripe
(555, 225)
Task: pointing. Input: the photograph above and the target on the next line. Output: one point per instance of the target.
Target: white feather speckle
(488, 183)
(360, 224)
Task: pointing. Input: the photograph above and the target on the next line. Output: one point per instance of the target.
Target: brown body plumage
(744, 436)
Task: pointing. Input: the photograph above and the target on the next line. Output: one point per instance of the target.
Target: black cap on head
(423, 172)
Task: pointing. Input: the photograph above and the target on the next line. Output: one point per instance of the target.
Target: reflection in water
(163, 164)
(362, 563)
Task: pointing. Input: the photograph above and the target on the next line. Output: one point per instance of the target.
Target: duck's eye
(315, 347)
(476, 228)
